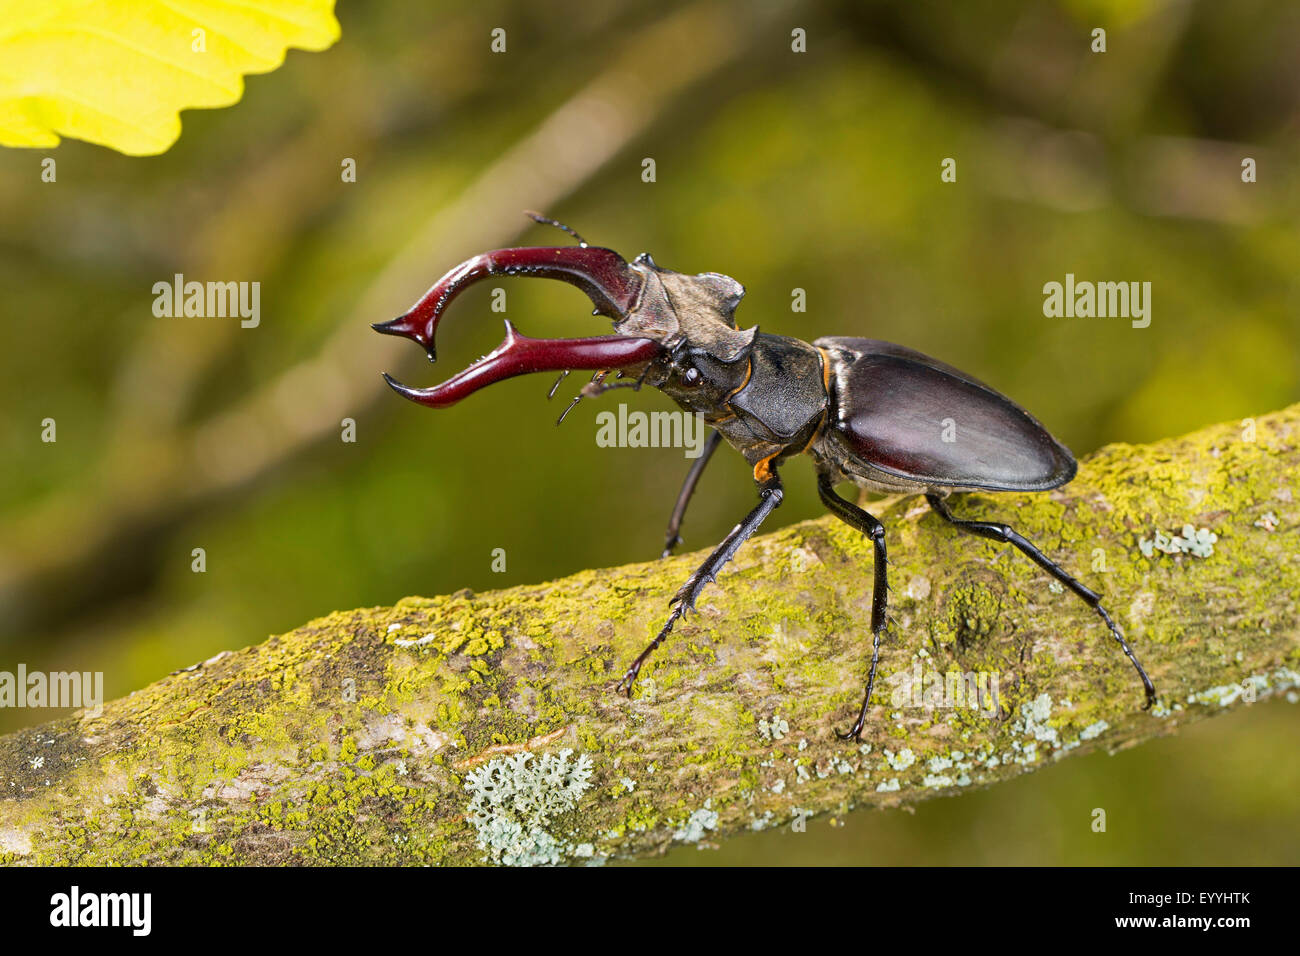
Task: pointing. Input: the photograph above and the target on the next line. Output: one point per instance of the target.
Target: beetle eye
(691, 376)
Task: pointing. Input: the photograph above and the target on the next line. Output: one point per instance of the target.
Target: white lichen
(1033, 723)
(801, 559)
(514, 798)
(15, 841)
(902, 760)
(417, 642)
(1195, 541)
(1251, 689)
(774, 729)
(696, 824)
(1093, 730)
(1268, 521)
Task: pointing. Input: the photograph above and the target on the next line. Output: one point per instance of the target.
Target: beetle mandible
(865, 411)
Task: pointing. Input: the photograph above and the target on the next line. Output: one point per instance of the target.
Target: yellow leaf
(118, 72)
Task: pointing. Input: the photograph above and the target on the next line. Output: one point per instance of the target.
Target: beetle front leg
(869, 525)
(671, 538)
(769, 497)
(1006, 535)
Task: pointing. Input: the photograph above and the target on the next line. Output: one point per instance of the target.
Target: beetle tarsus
(629, 678)
(1004, 534)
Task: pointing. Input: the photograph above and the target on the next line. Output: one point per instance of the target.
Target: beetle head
(662, 321)
(691, 376)
(700, 310)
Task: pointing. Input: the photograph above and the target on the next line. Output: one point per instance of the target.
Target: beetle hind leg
(869, 525)
(1006, 535)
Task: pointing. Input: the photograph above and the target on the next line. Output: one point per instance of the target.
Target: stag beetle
(866, 411)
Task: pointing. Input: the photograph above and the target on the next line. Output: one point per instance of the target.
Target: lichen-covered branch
(470, 727)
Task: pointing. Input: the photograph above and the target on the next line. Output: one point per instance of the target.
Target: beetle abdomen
(913, 420)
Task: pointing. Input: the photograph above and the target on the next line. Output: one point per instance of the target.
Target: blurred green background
(817, 170)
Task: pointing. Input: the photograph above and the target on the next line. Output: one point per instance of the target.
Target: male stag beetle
(865, 410)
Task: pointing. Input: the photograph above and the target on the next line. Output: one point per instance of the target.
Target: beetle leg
(597, 376)
(556, 387)
(1006, 535)
(769, 497)
(869, 525)
(672, 539)
(597, 387)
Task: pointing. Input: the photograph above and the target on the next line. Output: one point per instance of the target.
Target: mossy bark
(350, 740)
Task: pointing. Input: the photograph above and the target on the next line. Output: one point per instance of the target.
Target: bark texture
(476, 727)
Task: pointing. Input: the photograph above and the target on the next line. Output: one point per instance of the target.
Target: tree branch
(471, 727)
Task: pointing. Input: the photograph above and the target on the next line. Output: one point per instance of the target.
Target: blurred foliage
(817, 170)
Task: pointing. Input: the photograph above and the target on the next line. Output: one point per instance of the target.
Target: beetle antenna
(548, 221)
